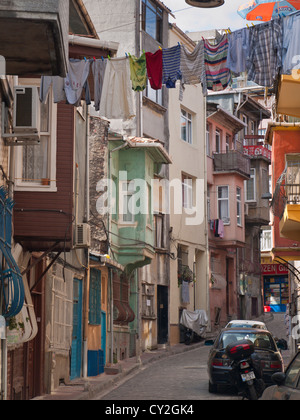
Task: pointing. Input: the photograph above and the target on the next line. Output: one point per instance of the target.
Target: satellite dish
(205, 3)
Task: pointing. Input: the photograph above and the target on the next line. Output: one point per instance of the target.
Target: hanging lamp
(205, 3)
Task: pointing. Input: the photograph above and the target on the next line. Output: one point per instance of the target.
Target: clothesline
(263, 51)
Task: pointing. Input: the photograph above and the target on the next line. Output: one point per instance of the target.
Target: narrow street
(180, 377)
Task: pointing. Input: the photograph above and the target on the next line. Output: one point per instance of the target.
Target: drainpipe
(141, 127)
(87, 273)
(206, 219)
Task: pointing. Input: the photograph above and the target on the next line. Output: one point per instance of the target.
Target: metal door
(76, 352)
(162, 314)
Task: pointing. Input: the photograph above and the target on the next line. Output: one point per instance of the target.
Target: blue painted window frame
(95, 298)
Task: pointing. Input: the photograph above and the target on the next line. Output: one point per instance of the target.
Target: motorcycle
(244, 375)
(195, 324)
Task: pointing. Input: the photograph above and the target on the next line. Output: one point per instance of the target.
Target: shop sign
(274, 270)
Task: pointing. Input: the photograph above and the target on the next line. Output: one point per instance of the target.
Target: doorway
(162, 314)
(76, 350)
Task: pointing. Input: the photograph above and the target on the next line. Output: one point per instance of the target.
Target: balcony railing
(254, 147)
(287, 190)
(232, 161)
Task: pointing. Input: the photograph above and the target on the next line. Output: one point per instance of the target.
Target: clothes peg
(102, 58)
(94, 58)
(126, 55)
(160, 47)
(85, 59)
(108, 57)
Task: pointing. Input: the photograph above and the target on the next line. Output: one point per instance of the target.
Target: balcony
(34, 36)
(232, 161)
(255, 148)
(286, 201)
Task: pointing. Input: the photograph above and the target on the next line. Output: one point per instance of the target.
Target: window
(218, 141)
(154, 95)
(152, 20)
(208, 203)
(245, 121)
(148, 301)
(227, 143)
(266, 240)
(250, 186)
(187, 192)
(239, 206)
(186, 126)
(223, 204)
(126, 202)
(208, 140)
(159, 231)
(95, 298)
(36, 163)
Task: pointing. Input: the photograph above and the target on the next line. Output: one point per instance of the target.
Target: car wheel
(212, 389)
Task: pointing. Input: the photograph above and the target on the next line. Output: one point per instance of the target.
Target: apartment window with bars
(95, 298)
(292, 184)
(148, 301)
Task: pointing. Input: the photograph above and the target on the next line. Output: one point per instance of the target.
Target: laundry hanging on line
(264, 51)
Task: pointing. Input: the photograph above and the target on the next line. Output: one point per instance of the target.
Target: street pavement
(177, 372)
(182, 377)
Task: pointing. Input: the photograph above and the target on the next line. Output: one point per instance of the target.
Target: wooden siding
(47, 217)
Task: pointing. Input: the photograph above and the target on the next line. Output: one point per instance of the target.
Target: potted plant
(185, 274)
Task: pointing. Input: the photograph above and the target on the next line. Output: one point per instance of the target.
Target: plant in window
(185, 274)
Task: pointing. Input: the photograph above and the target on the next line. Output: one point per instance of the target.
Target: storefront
(276, 287)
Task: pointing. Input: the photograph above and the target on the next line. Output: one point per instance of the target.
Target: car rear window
(292, 373)
(258, 327)
(260, 340)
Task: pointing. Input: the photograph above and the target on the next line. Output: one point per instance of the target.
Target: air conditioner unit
(26, 110)
(83, 235)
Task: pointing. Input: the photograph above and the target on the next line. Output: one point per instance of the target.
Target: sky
(198, 19)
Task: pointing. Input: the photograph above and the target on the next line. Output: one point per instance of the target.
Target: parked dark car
(287, 384)
(266, 358)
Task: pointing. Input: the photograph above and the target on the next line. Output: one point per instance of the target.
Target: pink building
(228, 169)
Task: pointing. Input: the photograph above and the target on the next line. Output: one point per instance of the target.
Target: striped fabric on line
(171, 66)
(218, 76)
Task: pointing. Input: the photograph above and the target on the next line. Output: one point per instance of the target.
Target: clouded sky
(198, 19)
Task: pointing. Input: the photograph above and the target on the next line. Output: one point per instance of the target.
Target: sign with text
(274, 270)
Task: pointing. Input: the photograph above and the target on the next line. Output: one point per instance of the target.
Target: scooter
(244, 376)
